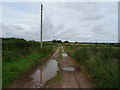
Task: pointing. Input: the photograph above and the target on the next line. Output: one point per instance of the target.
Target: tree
(56, 41)
(66, 42)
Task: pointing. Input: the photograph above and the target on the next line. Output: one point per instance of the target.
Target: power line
(48, 21)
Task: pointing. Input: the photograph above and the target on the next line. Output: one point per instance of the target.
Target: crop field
(101, 63)
(19, 55)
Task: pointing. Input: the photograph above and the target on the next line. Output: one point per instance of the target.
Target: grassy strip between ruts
(100, 63)
(60, 53)
(12, 71)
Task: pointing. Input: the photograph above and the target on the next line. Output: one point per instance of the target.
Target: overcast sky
(73, 21)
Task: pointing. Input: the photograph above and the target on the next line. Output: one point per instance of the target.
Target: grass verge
(12, 71)
(60, 53)
(19, 56)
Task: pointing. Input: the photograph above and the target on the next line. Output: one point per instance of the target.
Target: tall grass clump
(100, 62)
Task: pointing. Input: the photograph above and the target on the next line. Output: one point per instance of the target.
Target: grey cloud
(73, 22)
(91, 17)
(15, 31)
(16, 27)
(81, 38)
(99, 29)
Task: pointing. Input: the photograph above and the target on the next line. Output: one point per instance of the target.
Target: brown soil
(76, 78)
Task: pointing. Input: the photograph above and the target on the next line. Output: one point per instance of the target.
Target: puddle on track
(64, 54)
(43, 74)
(54, 54)
(68, 69)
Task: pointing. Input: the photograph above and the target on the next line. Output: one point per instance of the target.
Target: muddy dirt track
(72, 76)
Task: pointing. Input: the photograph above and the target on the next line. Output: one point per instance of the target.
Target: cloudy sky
(73, 21)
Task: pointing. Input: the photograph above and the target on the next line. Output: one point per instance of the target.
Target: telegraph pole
(41, 23)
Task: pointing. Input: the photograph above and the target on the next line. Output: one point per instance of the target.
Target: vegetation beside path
(19, 56)
(101, 63)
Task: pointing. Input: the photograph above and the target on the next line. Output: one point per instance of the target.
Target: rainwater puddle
(64, 54)
(41, 75)
(54, 54)
(68, 69)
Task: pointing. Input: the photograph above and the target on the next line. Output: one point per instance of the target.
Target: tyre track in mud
(73, 77)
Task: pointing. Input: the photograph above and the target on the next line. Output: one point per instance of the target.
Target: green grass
(14, 49)
(100, 62)
(19, 56)
(60, 53)
(12, 71)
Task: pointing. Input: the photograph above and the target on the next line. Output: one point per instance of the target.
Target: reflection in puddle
(45, 73)
(64, 54)
(54, 54)
(68, 69)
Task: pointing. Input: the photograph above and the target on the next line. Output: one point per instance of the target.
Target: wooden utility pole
(41, 23)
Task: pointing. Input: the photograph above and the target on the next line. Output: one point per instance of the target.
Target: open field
(18, 56)
(101, 63)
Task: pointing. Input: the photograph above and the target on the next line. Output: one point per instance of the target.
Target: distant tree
(66, 42)
(56, 41)
(103, 43)
(112, 43)
(96, 43)
(76, 42)
(59, 41)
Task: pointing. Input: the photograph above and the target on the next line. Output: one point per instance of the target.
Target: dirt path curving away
(72, 76)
